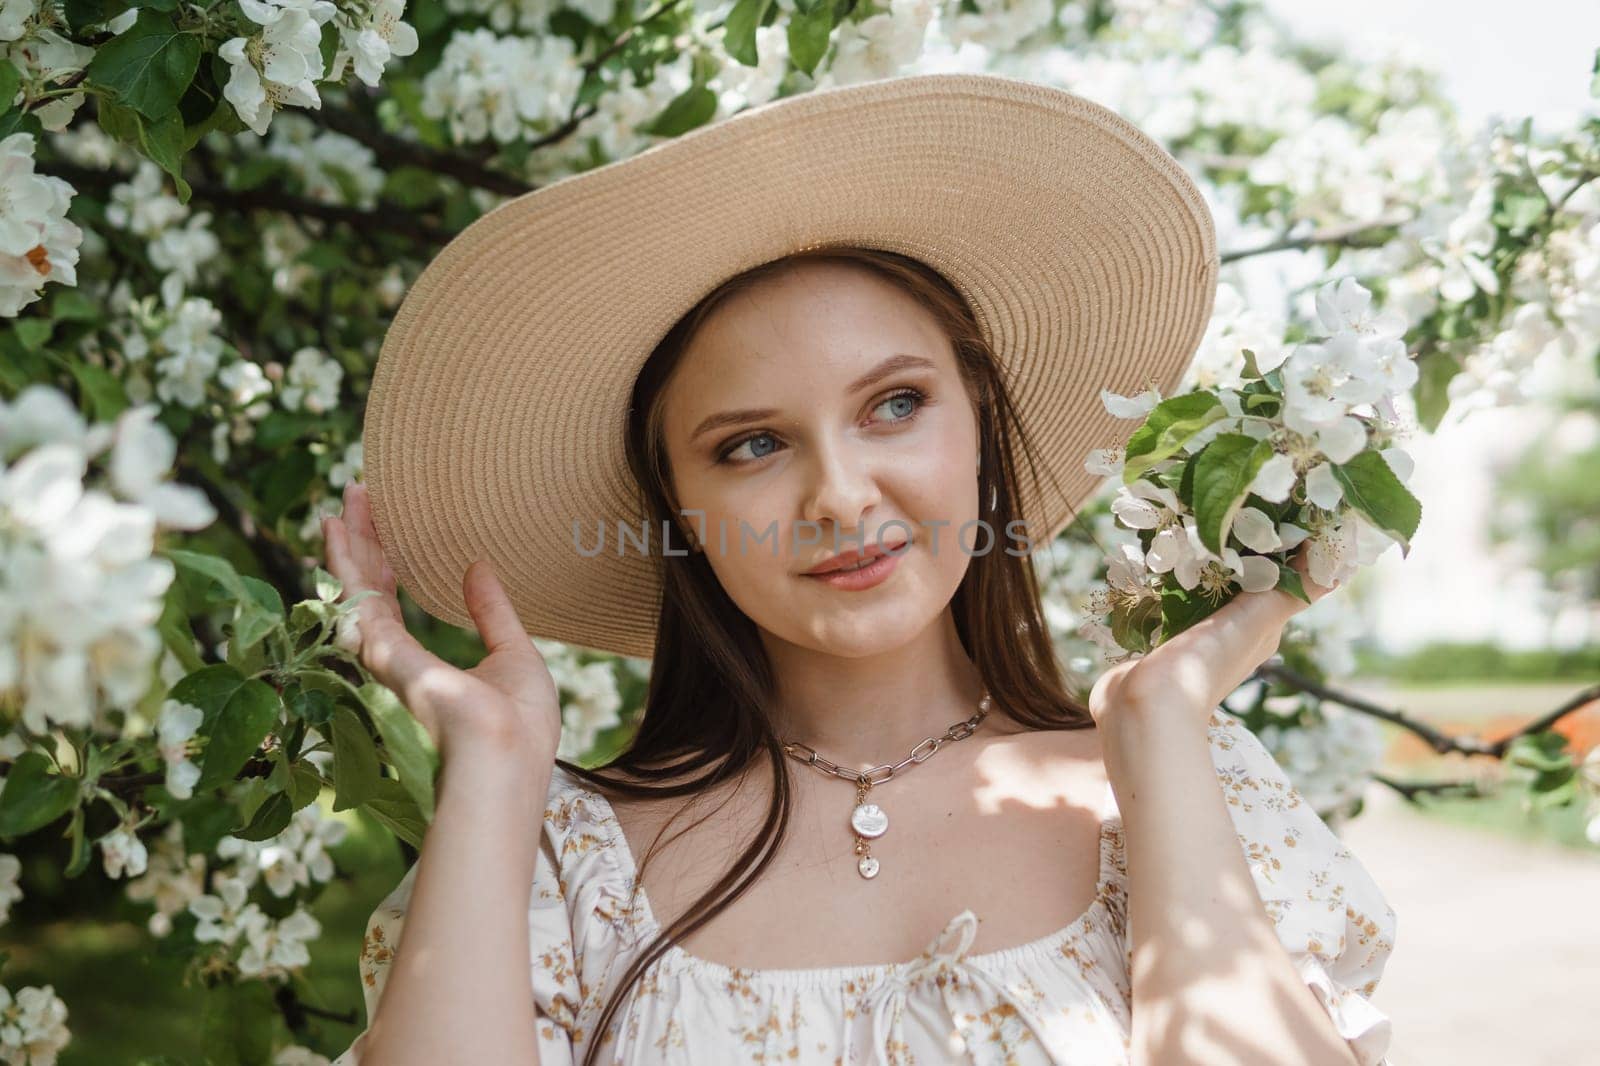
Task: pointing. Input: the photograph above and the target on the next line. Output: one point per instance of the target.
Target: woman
(1131, 881)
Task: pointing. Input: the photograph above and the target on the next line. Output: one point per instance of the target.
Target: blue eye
(908, 400)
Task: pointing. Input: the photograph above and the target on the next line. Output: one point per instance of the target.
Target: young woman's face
(822, 406)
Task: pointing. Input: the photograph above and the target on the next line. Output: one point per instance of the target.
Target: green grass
(125, 999)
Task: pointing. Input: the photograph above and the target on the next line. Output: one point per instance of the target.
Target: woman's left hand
(1198, 667)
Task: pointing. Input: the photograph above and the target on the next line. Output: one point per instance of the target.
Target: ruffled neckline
(675, 958)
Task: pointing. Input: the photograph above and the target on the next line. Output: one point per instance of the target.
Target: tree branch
(1442, 743)
(1410, 790)
(389, 218)
(1350, 235)
(398, 152)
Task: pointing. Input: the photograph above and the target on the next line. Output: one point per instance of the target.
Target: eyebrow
(895, 364)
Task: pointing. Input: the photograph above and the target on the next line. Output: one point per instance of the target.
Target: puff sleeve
(572, 949)
(1328, 911)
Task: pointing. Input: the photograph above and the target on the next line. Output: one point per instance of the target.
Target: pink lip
(874, 573)
(850, 557)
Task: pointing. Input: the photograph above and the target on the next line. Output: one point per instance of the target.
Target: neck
(866, 710)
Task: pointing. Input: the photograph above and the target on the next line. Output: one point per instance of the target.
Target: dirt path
(1497, 946)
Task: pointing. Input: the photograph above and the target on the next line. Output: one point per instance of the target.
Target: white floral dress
(1063, 998)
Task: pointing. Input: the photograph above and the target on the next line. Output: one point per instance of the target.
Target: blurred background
(1499, 906)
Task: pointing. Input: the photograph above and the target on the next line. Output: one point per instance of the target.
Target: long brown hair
(710, 679)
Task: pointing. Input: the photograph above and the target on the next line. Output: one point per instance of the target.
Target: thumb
(491, 609)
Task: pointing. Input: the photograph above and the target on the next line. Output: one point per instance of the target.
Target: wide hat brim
(498, 406)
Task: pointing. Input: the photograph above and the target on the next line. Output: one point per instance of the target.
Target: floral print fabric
(1063, 998)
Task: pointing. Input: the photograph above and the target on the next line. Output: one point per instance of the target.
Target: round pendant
(869, 820)
(868, 866)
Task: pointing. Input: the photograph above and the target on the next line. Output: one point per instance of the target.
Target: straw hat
(497, 410)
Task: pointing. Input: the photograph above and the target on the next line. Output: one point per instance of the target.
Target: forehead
(816, 326)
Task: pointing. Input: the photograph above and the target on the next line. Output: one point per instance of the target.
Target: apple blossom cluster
(1329, 753)
(82, 591)
(181, 243)
(38, 243)
(33, 1026)
(33, 1022)
(331, 167)
(281, 63)
(501, 87)
(1309, 436)
(591, 701)
(174, 881)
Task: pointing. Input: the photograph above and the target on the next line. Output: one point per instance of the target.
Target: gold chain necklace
(868, 820)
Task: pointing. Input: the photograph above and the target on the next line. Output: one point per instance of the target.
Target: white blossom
(313, 382)
(371, 43)
(279, 66)
(277, 949)
(123, 852)
(177, 726)
(10, 891)
(880, 45)
(172, 879)
(489, 86)
(38, 244)
(33, 1026)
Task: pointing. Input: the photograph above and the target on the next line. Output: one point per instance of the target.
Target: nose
(843, 487)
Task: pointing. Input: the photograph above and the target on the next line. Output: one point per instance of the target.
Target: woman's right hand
(507, 699)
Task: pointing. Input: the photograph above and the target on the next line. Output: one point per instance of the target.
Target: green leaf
(1182, 608)
(1289, 581)
(271, 818)
(1594, 83)
(1135, 630)
(1371, 487)
(690, 108)
(73, 305)
(355, 761)
(1543, 751)
(10, 82)
(1434, 371)
(1167, 428)
(1223, 472)
(739, 30)
(34, 797)
(235, 731)
(214, 567)
(310, 704)
(175, 633)
(808, 36)
(164, 141)
(34, 333)
(208, 688)
(260, 612)
(84, 13)
(409, 748)
(281, 484)
(279, 429)
(80, 853)
(103, 389)
(305, 785)
(394, 807)
(149, 65)
(328, 586)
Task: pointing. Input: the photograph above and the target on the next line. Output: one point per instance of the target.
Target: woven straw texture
(497, 410)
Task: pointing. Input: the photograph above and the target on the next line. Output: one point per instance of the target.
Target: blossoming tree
(208, 210)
